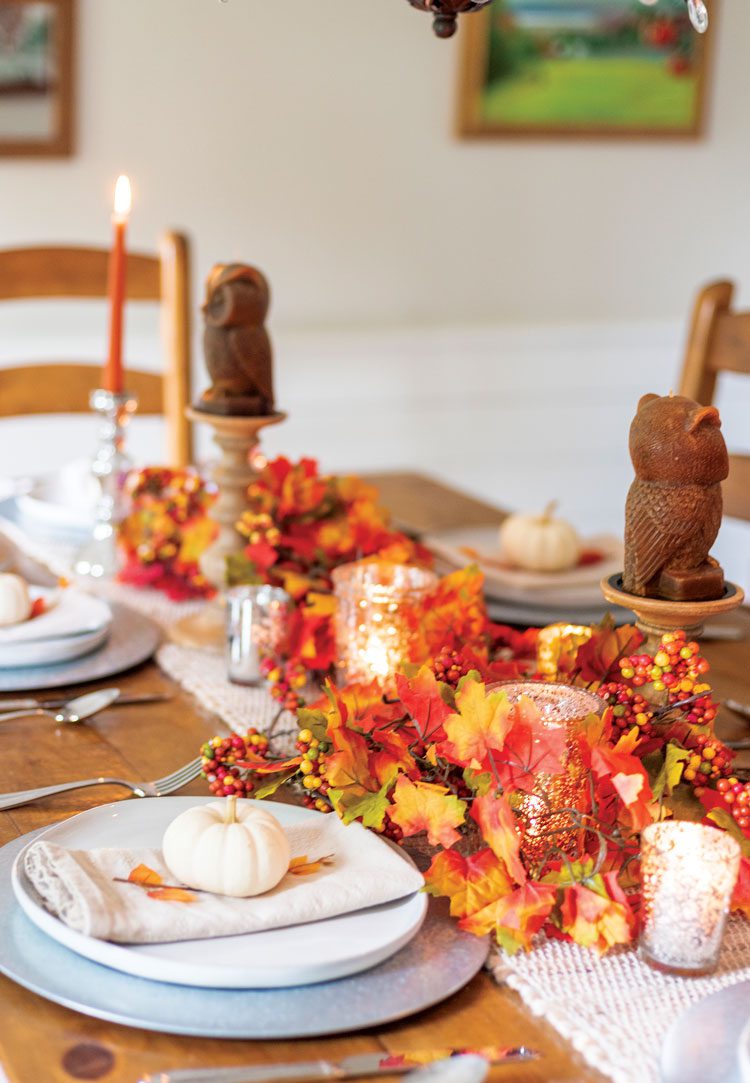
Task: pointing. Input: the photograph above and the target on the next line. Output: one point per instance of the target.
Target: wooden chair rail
(736, 489)
(72, 272)
(46, 394)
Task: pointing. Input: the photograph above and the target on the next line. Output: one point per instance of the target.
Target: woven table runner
(615, 1009)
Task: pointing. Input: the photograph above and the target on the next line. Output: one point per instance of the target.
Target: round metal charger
(703, 1043)
(132, 639)
(438, 962)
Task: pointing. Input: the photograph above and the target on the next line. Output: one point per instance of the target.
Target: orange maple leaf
(421, 697)
(471, 883)
(423, 806)
(594, 920)
(597, 658)
(498, 826)
(516, 918)
(142, 874)
(479, 727)
(628, 778)
(302, 866)
(172, 894)
(530, 748)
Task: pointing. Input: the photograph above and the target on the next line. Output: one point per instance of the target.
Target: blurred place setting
(374, 544)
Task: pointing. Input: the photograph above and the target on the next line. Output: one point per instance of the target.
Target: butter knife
(30, 704)
(361, 1064)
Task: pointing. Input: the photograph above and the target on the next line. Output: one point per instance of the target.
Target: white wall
(488, 311)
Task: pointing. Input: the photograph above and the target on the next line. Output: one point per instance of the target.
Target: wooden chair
(82, 273)
(719, 341)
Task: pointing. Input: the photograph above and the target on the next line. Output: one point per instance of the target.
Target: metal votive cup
(256, 624)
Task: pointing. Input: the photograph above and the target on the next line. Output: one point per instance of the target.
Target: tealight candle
(688, 873)
(377, 620)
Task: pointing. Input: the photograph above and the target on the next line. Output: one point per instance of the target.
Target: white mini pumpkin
(228, 847)
(539, 543)
(15, 603)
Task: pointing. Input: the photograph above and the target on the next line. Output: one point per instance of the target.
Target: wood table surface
(41, 1042)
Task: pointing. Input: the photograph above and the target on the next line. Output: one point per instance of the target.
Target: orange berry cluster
(220, 756)
(313, 770)
(449, 667)
(736, 796)
(286, 681)
(709, 760)
(677, 668)
(629, 707)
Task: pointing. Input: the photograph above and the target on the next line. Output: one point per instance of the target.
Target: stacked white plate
(72, 624)
(532, 598)
(59, 505)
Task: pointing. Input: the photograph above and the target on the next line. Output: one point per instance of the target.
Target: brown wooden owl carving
(674, 506)
(235, 342)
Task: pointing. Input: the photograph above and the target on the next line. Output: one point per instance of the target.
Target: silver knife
(31, 704)
(361, 1064)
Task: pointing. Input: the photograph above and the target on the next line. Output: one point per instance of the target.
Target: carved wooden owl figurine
(674, 506)
(235, 342)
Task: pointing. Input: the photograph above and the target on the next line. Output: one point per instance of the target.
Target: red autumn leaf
(479, 727)
(142, 874)
(172, 894)
(530, 749)
(349, 763)
(471, 883)
(627, 775)
(420, 695)
(498, 826)
(267, 767)
(516, 918)
(597, 658)
(423, 806)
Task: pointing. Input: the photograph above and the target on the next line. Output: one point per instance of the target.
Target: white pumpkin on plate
(539, 543)
(15, 603)
(229, 847)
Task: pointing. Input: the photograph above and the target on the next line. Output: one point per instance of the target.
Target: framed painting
(583, 67)
(36, 77)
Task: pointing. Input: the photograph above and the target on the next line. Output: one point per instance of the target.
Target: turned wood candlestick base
(236, 437)
(655, 616)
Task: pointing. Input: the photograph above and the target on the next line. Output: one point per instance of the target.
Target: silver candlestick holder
(98, 557)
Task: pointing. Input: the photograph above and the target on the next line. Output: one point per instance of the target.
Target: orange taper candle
(112, 379)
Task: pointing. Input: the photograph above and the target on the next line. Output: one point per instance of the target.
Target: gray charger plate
(132, 639)
(702, 1045)
(438, 962)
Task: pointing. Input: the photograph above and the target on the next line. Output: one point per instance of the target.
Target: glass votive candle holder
(256, 623)
(688, 873)
(378, 625)
(542, 813)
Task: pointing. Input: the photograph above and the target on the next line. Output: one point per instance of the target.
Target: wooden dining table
(42, 1042)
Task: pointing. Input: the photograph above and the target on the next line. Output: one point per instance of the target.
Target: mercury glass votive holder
(553, 640)
(688, 873)
(542, 813)
(378, 621)
(256, 624)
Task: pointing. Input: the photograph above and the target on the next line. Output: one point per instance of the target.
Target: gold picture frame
(36, 77)
(579, 68)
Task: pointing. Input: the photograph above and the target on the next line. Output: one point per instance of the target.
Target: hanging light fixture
(445, 12)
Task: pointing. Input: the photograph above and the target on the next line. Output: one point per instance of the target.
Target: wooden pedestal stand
(655, 616)
(236, 436)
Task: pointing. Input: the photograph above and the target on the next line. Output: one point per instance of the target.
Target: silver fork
(160, 787)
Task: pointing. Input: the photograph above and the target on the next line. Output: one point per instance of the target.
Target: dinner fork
(160, 787)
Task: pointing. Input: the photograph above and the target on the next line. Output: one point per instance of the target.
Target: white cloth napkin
(71, 613)
(78, 886)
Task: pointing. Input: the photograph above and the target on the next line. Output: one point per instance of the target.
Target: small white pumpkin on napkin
(15, 603)
(539, 543)
(230, 848)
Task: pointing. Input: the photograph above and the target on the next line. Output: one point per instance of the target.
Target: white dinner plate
(277, 958)
(708, 1042)
(577, 587)
(743, 1053)
(74, 624)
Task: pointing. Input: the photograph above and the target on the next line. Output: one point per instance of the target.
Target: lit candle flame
(376, 657)
(123, 198)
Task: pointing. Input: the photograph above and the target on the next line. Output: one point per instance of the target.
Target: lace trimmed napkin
(78, 886)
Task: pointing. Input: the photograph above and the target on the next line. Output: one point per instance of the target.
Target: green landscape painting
(583, 67)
